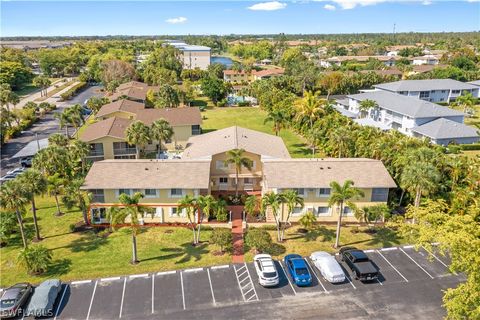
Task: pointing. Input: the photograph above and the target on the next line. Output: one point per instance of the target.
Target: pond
(226, 61)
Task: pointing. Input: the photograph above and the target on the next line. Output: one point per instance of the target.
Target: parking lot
(165, 293)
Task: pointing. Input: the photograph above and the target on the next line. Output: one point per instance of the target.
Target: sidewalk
(237, 233)
(38, 94)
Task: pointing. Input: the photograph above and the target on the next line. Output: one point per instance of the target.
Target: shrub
(72, 227)
(473, 146)
(307, 220)
(222, 237)
(35, 259)
(8, 222)
(222, 216)
(258, 239)
(73, 91)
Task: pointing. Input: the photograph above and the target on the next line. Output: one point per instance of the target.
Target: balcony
(95, 153)
(124, 151)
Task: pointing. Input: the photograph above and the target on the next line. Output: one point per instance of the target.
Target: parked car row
(12, 174)
(330, 269)
(23, 299)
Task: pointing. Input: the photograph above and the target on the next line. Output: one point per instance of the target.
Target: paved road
(36, 95)
(410, 287)
(43, 128)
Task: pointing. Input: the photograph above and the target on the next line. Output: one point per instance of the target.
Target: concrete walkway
(237, 233)
(37, 95)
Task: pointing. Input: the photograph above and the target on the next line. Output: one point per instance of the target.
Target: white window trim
(151, 196)
(117, 192)
(220, 165)
(328, 214)
(170, 195)
(323, 195)
(296, 214)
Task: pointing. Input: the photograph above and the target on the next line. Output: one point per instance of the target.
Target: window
(126, 191)
(253, 165)
(300, 191)
(150, 193)
(174, 211)
(97, 195)
(219, 164)
(323, 211)
(96, 150)
(247, 181)
(347, 211)
(379, 194)
(223, 180)
(196, 129)
(424, 94)
(324, 192)
(176, 193)
(297, 211)
(443, 91)
(455, 91)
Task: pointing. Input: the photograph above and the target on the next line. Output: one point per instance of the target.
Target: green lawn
(252, 118)
(27, 90)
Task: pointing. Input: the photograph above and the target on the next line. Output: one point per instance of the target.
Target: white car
(266, 270)
(328, 266)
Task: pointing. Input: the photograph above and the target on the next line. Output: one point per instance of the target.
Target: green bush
(222, 237)
(307, 220)
(222, 216)
(67, 95)
(8, 223)
(35, 259)
(473, 146)
(258, 239)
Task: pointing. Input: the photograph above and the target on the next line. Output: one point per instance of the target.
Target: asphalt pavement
(41, 129)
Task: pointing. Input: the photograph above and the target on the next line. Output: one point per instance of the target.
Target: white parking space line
(408, 247)
(110, 279)
(211, 287)
(253, 287)
(380, 282)
(133, 276)
(350, 281)
(417, 263)
(166, 272)
(388, 249)
(153, 293)
(123, 297)
(193, 270)
(80, 282)
(61, 301)
(391, 265)
(288, 278)
(225, 266)
(315, 274)
(91, 301)
(369, 250)
(183, 291)
(431, 253)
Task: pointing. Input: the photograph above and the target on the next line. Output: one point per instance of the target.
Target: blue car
(297, 267)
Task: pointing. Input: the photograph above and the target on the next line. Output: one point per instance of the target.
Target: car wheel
(356, 276)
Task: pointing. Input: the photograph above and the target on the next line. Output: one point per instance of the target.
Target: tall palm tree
(63, 121)
(309, 109)
(420, 178)
(78, 152)
(13, 197)
(81, 197)
(272, 200)
(292, 200)
(206, 204)
(55, 185)
(236, 158)
(365, 106)
(161, 131)
(75, 117)
(131, 211)
(138, 134)
(466, 101)
(33, 183)
(277, 117)
(188, 204)
(342, 139)
(251, 205)
(58, 139)
(341, 195)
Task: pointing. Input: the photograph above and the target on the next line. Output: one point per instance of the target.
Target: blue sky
(74, 18)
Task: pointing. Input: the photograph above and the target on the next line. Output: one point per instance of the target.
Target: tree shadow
(185, 253)
(58, 268)
(88, 242)
(199, 103)
(314, 234)
(276, 249)
(385, 237)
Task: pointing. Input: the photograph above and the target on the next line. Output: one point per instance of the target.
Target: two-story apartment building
(433, 90)
(234, 76)
(202, 170)
(192, 56)
(133, 90)
(411, 116)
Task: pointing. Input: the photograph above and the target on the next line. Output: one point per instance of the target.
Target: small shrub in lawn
(258, 239)
(307, 220)
(35, 259)
(222, 216)
(355, 230)
(207, 228)
(269, 227)
(8, 225)
(222, 237)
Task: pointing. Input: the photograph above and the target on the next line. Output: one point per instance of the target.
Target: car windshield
(270, 274)
(7, 303)
(302, 271)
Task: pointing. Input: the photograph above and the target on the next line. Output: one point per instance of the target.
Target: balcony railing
(95, 153)
(124, 151)
(248, 186)
(98, 199)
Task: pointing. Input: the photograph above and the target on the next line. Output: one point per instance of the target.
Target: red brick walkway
(237, 233)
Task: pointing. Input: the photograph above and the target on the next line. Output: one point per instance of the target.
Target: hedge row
(473, 146)
(67, 95)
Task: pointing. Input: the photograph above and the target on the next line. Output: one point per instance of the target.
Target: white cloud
(329, 7)
(350, 4)
(268, 6)
(177, 20)
(427, 2)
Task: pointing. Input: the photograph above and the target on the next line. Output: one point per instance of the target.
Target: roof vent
(329, 168)
(146, 169)
(321, 168)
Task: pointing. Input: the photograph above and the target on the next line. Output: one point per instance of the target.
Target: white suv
(266, 271)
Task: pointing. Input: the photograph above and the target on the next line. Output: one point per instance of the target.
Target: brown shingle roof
(120, 105)
(113, 127)
(148, 174)
(174, 116)
(235, 137)
(132, 84)
(318, 173)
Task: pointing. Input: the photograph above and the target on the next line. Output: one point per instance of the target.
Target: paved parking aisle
(168, 295)
(428, 262)
(225, 288)
(137, 299)
(196, 288)
(76, 300)
(408, 268)
(106, 302)
(281, 290)
(330, 287)
(388, 272)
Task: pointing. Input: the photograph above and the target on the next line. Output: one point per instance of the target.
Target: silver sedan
(328, 266)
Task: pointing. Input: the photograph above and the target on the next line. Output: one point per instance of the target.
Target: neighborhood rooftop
(235, 138)
(408, 106)
(120, 105)
(445, 129)
(318, 173)
(112, 127)
(148, 174)
(425, 85)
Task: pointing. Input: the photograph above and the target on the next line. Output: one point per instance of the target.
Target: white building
(434, 90)
(429, 59)
(193, 56)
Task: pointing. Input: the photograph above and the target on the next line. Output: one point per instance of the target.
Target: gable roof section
(425, 85)
(112, 127)
(120, 105)
(319, 172)
(445, 129)
(409, 106)
(235, 137)
(148, 174)
(174, 116)
(475, 83)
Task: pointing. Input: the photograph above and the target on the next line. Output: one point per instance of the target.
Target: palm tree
(81, 197)
(420, 178)
(273, 200)
(341, 195)
(58, 139)
(365, 106)
(466, 101)
(42, 82)
(236, 158)
(251, 205)
(7, 96)
(206, 204)
(161, 131)
(278, 119)
(310, 108)
(342, 139)
(33, 183)
(131, 211)
(138, 134)
(13, 197)
(78, 152)
(54, 187)
(63, 121)
(75, 116)
(292, 200)
(189, 205)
